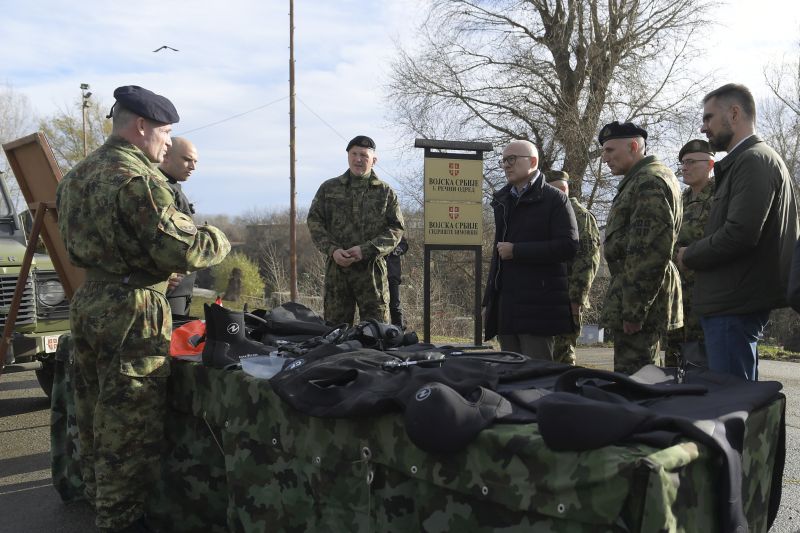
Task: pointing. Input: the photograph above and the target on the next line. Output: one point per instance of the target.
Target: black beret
(556, 175)
(360, 140)
(615, 130)
(146, 104)
(695, 145)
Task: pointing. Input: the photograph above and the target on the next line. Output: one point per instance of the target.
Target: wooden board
(38, 175)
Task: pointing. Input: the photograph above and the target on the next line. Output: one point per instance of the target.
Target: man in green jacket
(355, 221)
(580, 271)
(742, 263)
(118, 220)
(643, 299)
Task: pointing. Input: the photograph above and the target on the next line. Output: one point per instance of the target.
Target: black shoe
(397, 319)
(226, 342)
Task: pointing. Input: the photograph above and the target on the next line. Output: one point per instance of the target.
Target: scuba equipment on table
(226, 342)
(441, 420)
(368, 334)
(381, 336)
(188, 339)
(291, 321)
(263, 366)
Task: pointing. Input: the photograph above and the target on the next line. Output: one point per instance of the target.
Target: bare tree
(15, 122)
(779, 116)
(64, 131)
(549, 71)
(273, 267)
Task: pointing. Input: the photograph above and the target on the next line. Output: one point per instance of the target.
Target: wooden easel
(38, 175)
(11, 319)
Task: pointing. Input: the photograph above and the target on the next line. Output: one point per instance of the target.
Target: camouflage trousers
(564, 346)
(121, 346)
(363, 284)
(632, 352)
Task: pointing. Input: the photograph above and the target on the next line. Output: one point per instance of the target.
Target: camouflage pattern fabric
(239, 460)
(352, 211)
(64, 444)
(580, 273)
(632, 352)
(695, 215)
(117, 219)
(642, 228)
(564, 345)
(121, 341)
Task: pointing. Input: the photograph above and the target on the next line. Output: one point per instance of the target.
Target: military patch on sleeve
(184, 223)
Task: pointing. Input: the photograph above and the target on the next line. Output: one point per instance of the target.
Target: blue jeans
(732, 343)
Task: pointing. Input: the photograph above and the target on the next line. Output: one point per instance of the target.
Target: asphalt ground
(29, 503)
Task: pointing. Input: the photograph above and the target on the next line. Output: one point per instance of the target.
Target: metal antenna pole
(292, 178)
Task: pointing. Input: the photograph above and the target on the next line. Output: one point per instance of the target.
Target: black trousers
(395, 311)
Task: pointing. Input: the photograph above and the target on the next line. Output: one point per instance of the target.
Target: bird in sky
(166, 47)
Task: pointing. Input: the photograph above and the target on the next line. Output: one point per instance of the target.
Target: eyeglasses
(510, 160)
(687, 162)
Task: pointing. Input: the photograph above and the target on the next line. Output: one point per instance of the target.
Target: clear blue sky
(233, 59)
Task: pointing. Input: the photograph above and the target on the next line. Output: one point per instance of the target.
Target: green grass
(777, 353)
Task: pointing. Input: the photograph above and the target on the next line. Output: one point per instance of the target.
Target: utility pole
(85, 94)
(292, 185)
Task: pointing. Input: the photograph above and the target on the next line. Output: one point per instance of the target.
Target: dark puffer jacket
(532, 286)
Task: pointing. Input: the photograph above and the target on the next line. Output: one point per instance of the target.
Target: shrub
(252, 285)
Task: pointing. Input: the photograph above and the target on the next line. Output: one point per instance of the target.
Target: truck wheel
(45, 375)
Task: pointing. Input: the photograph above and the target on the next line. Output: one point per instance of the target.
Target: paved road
(29, 504)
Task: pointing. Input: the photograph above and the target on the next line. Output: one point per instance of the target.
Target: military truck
(44, 310)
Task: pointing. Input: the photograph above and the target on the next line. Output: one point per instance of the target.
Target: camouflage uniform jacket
(695, 215)
(582, 269)
(117, 216)
(349, 211)
(641, 232)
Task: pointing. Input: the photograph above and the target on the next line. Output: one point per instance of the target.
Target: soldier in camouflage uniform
(355, 221)
(118, 221)
(643, 300)
(697, 162)
(178, 164)
(580, 271)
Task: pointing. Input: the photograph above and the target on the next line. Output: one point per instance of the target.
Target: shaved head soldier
(178, 164)
(118, 220)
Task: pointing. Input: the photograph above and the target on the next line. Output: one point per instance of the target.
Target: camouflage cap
(695, 146)
(360, 140)
(615, 130)
(556, 175)
(145, 103)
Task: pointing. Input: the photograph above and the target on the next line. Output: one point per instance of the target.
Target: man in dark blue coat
(527, 298)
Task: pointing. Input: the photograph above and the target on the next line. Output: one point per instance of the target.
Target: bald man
(527, 298)
(178, 164)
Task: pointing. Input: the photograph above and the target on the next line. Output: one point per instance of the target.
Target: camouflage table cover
(238, 459)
